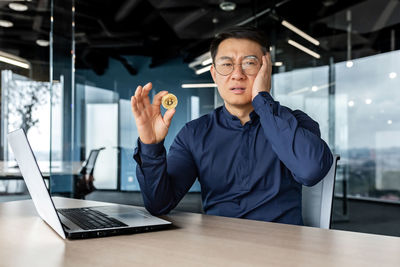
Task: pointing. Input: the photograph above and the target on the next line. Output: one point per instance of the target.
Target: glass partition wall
(96, 104)
(366, 126)
(353, 98)
(25, 88)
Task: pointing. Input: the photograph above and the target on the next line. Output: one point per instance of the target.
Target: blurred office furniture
(89, 163)
(76, 184)
(317, 200)
(84, 181)
(9, 169)
(193, 239)
(12, 181)
(341, 211)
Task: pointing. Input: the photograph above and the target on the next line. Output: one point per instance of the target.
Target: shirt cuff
(150, 150)
(264, 101)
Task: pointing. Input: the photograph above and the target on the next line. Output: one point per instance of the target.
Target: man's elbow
(314, 172)
(157, 210)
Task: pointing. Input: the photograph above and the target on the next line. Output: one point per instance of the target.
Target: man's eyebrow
(225, 58)
(246, 57)
(251, 56)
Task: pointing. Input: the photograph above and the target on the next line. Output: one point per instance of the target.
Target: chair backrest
(88, 164)
(317, 200)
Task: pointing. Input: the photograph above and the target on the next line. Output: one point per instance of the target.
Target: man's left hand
(262, 83)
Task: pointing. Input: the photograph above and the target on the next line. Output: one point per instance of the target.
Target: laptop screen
(34, 180)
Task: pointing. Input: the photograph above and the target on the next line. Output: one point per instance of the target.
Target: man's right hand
(151, 125)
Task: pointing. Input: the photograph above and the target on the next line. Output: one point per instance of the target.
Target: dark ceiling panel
(168, 28)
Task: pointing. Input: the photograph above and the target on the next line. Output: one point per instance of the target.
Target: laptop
(77, 223)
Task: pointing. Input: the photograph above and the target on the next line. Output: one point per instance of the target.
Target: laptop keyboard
(87, 218)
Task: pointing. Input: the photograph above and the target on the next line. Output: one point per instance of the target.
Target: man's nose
(238, 72)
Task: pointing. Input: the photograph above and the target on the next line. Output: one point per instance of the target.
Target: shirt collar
(234, 121)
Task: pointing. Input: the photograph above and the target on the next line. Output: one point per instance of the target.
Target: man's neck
(242, 112)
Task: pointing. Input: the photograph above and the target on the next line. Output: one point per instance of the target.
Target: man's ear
(212, 71)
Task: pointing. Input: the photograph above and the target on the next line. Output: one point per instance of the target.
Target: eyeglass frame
(233, 66)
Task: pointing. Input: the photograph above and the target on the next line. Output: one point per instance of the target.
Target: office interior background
(68, 69)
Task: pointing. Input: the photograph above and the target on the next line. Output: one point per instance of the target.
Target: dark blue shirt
(253, 171)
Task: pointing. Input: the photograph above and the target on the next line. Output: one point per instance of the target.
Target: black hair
(239, 32)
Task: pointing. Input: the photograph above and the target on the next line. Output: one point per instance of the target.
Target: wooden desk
(195, 240)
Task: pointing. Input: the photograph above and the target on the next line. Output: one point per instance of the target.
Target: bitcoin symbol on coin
(169, 101)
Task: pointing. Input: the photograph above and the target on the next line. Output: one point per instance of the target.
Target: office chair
(84, 185)
(317, 200)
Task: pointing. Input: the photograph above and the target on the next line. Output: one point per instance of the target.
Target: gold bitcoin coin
(169, 101)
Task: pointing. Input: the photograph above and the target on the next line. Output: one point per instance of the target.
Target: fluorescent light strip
(6, 23)
(14, 62)
(304, 49)
(202, 70)
(18, 6)
(198, 85)
(206, 62)
(198, 60)
(300, 32)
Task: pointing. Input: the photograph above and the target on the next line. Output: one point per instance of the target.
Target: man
(251, 156)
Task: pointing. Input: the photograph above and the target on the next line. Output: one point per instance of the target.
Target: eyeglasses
(250, 66)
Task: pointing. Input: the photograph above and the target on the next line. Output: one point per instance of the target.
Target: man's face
(236, 87)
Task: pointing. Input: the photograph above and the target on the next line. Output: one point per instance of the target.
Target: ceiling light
(6, 23)
(227, 6)
(368, 101)
(300, 32)
(206, 62)
(198, 85)
(349, 64)
(389, 122)
(351, 103)
(314, 88)
(198, 60)
(303, 48)
(278, 63)
(14, 60)
(202, 70)
(41, 42)
(18, 7)
(329, 3)
(392, 75)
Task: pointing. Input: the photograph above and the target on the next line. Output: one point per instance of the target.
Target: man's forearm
(164, 180)
(151, 173)
(296, 141)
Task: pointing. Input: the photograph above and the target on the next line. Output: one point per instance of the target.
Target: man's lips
(238, 90)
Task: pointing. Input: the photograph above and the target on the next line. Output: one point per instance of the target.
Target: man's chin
(239, 104)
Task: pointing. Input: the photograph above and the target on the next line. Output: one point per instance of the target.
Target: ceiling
(163, 30)
(28, 26)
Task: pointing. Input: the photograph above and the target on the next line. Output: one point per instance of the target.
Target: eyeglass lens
(250, 66)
